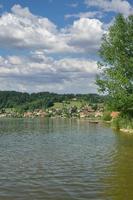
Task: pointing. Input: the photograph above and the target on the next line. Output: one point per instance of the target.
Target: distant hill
(26, 101)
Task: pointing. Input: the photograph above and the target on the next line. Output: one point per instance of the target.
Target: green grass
(69, 104)
(57, 105)
(120, 122)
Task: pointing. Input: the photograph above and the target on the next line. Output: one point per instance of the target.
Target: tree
(116, 52)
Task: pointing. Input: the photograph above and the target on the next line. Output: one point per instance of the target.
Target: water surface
(64, 159)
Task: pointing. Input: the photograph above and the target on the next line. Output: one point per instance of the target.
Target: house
(114, 114)
(39, 113)
(98, 114)
(82, 115)
(3, 115)
(86, 111)
(28, 114)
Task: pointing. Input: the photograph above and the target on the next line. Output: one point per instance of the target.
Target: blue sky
(55, 10)
(52, 45)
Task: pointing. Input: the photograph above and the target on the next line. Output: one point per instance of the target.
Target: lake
(64, 159)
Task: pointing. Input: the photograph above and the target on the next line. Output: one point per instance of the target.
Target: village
(63, 110)
(85, 112)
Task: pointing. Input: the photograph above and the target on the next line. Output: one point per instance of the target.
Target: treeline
(42, 100)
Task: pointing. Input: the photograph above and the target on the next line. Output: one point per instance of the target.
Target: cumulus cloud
(81, 33)
(20, 29)
(54, 58)
(118, 6)
(39, 72)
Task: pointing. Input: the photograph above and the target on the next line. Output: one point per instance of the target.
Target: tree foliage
(42, 100)
(116, 52)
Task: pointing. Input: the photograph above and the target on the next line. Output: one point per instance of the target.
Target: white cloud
(86, 34)
(89, 14)
(118, 6)
(39, 72)
(20, 29)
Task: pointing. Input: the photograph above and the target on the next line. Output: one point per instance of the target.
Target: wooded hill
(25, 101)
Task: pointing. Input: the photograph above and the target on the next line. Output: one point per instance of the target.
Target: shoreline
(125, 130)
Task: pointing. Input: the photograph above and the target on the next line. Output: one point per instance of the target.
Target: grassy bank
(123, 124)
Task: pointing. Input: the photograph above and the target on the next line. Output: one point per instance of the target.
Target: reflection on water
(62, 159)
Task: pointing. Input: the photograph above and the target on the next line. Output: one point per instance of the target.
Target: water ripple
(56, 159)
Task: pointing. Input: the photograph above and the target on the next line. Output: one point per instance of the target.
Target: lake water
(62, 159)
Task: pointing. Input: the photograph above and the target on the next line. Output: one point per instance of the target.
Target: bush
(116, 123)
(107, 116)
(122, 122)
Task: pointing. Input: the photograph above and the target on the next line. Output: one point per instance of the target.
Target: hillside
(42, 100)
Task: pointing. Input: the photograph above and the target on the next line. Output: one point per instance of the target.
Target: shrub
(107, 116)
(122, 122)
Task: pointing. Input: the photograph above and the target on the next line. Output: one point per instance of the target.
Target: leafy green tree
(116, 52)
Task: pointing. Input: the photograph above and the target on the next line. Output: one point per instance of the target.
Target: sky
(52, 45)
